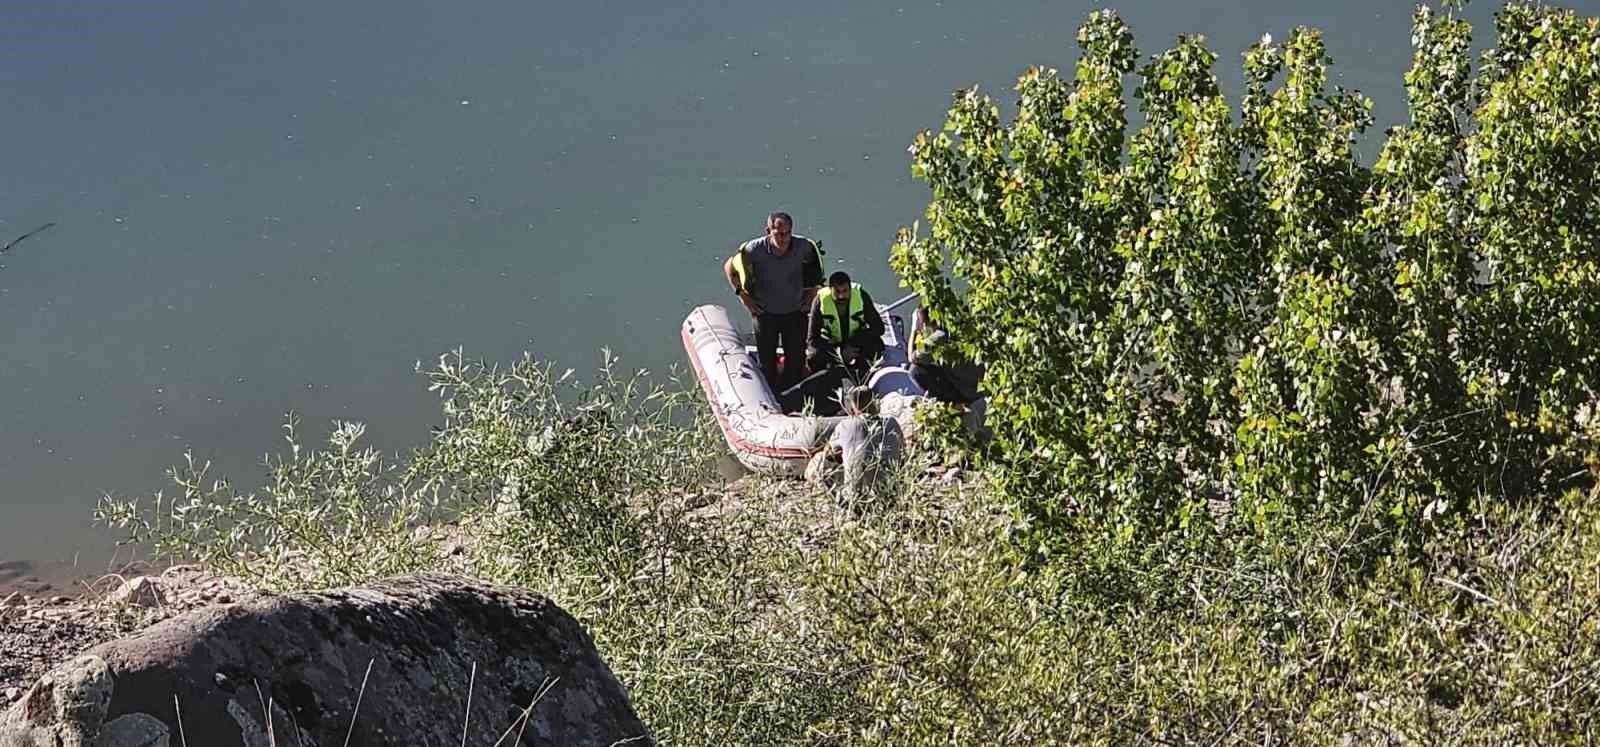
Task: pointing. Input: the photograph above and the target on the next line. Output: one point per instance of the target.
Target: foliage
(324, 518)
(1233, 308)
(1486, 635)
(774, 616)
(576, 490)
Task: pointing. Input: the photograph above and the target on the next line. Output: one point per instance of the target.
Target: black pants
(819, 391)
(788, 330)
(830, 375)
(827, 355)
(958, 384)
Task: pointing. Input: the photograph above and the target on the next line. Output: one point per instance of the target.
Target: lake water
(266, 206)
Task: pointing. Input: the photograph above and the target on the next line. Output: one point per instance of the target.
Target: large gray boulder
(289, 670)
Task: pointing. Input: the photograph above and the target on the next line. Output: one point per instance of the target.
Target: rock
(135, 730)
(410, 642)
(187, 587)
(33, 586)
(11, 570)
(65, 708)
(11, 693)
(700, 500)
(143, 591)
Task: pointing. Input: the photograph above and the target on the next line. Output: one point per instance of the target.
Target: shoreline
(29, 579)
(40, 632)
(32, 579)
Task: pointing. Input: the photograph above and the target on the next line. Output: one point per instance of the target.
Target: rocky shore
(421, 659)
(42, 625)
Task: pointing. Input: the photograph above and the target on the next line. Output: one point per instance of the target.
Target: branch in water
(18, 240)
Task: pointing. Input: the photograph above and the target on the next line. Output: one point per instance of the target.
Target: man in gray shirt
(776, 276)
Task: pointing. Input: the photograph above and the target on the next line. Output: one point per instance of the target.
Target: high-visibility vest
(743, 269)
(831, 321)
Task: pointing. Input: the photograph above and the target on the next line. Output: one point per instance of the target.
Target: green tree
(1229, 309)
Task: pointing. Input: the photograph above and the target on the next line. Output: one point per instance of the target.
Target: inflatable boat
(763, 438)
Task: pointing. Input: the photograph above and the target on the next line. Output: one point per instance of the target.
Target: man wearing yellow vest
(845, 328)
(776, 277)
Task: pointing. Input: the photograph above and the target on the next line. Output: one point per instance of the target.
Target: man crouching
(863, 452)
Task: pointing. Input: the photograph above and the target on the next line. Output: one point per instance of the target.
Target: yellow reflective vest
(831, 319)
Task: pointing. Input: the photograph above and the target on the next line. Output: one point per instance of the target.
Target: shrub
(576, 490)
(323, 518)
(777, 616)
(1239, 309)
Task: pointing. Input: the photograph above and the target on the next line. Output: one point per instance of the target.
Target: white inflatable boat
(762, 437)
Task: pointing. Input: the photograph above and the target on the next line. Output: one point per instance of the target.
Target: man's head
(857, 400)
(780, 228)
(839, 286)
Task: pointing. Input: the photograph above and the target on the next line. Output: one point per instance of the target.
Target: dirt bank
(40, 628)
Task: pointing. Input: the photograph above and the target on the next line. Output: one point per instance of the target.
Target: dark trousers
(830, 375)
(827, 355)
(788, 330)
(819, 391)
(958, 384)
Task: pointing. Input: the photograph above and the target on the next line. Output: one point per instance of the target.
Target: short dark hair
(780, 215)
(839, 278)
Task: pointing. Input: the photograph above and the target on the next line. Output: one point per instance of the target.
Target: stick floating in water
(19, 239)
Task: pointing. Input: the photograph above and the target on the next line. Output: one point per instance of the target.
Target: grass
(777, 615)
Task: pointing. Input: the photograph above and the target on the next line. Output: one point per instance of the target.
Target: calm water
(267, 206)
